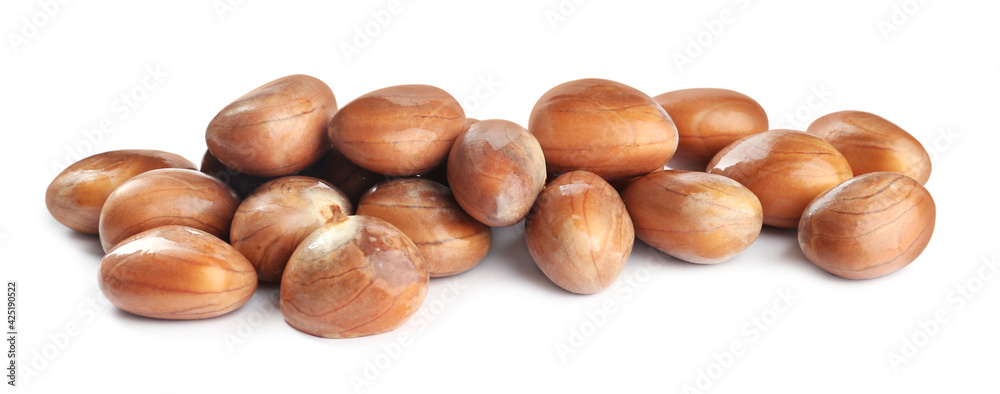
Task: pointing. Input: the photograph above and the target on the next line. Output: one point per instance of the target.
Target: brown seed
(75, 197)
(873, 144)
(276, 217)
(710, 119)
(579, 233)
(164, 197)
(696, 217)
(785, 169)
(496, 169)
(274, 130)
(176, 272)
(869, 226)
(602, 126)
(450, 240)
(469, 122)
(241, 183)
(335, 168)
(355, 277)
(400, 130)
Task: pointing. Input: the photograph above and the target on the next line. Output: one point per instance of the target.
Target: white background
(934, 69)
